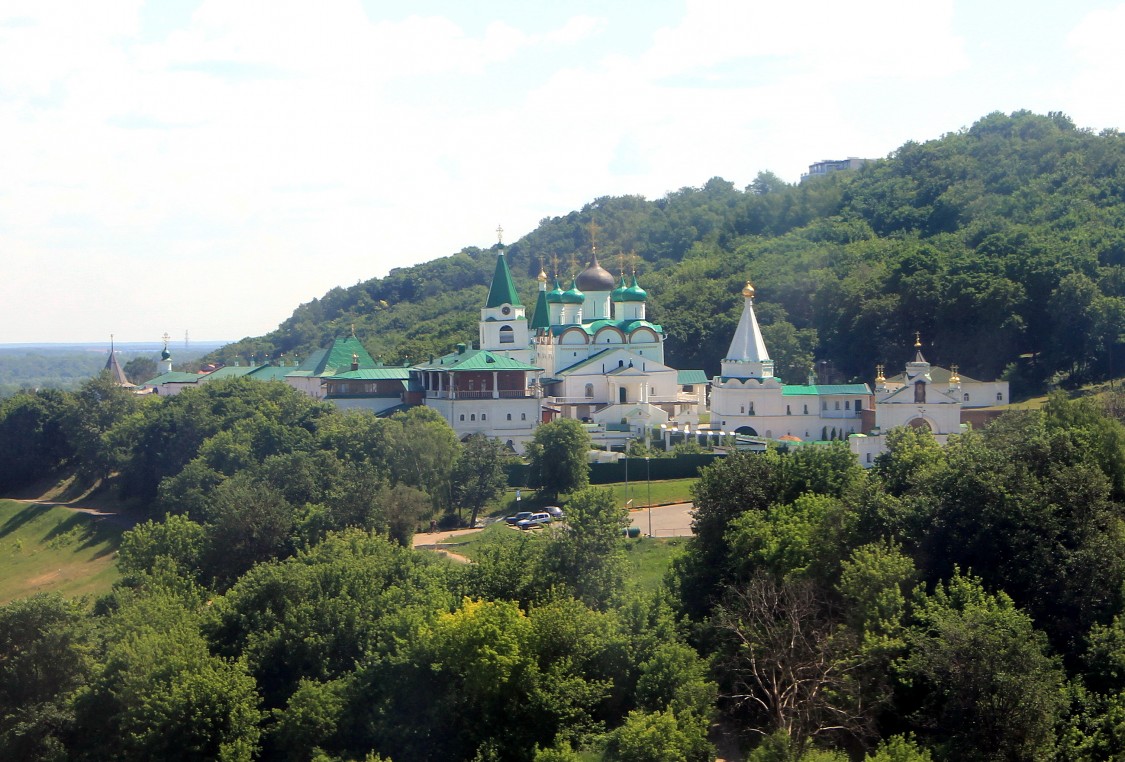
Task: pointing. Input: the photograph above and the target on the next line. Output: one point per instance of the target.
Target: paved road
(667, 521)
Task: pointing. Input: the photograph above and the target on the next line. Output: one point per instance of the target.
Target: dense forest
(997, 242)
(964, 602)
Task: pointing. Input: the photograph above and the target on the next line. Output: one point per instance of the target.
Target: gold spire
(917, 339)
(542, 273)
(953, 377)
(500, 235)
(594, 238)
(748, 290)
(879, 377)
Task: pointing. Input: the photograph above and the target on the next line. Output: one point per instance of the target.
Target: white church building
(748, 399)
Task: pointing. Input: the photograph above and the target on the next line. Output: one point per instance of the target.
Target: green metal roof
(503, 289)
(691, 377)
(625, 326)
(475, 359)
(268, 373)
(796, 390)
(376, 374)
(230, 371)
(174, 377)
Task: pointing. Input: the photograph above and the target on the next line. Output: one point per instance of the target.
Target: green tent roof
(542, 315)
(503, 289)
(336, 358)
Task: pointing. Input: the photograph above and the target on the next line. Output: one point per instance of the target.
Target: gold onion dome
(748, 290)
(542, 276)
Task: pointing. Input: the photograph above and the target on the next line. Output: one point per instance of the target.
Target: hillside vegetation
(996, 241)
(46, 548)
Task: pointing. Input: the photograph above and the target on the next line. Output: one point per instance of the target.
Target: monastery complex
(589, 352)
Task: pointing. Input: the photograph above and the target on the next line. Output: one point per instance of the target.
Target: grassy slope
(51, 549)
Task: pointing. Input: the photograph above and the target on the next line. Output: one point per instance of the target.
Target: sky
(205, 167)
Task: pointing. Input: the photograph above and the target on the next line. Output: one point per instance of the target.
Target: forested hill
(1000, 240)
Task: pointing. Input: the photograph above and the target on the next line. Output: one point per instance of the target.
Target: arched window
(589, 391)
(509, 416)
(484, 416)
(966, 398)
(920, 392)
(523, 416)
(788, 411)
(806, 409)
(473, 417)
(507, 335)
(462, 416)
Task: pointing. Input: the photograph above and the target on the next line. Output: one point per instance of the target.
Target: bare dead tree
(787, 664)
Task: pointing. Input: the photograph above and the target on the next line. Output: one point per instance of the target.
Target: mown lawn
(648, 558)
(51, 549)
(639, 492)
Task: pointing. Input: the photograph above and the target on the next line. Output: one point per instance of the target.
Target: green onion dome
(555, 295)
(635, 293)
(573, 295)
(618, 294)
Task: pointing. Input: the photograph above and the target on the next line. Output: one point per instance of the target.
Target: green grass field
(648, 557)
(51, 549)
(661, 492)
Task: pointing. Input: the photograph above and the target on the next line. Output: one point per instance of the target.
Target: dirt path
(126, 520)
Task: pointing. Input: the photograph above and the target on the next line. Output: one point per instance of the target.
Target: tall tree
(588, 555)
(479, 475)
(558, 456)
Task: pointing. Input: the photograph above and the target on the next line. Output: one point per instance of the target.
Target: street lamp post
(626, 476)
(648, 476)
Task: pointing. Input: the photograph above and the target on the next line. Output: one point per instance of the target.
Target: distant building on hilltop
(829, 166)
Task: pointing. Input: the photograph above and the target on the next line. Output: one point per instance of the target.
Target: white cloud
(1095, 42)
(264, 152)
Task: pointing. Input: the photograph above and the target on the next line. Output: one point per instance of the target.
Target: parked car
(519, 517)
(556, 512)
(534, 520)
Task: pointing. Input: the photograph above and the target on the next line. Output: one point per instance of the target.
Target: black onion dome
(596, 278)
